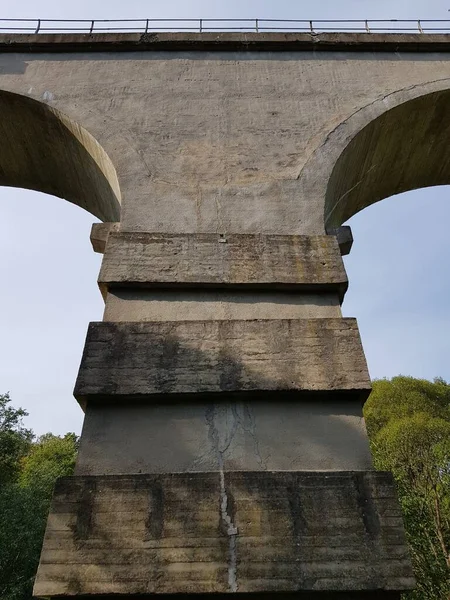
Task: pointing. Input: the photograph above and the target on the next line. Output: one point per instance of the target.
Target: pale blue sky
(280, 9)
(398, 269)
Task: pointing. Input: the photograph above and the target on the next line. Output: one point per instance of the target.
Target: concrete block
(344, 238)
(100, 233)
(225, 533)
(310, 263)
(204, 357)
(263, 434)
(217, 304)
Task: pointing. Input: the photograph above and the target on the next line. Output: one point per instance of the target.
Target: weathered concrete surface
(194, 357)
(122, 305)
(264, 433)
(237, 141)
(303, 263)
(224, 532)
(273, 41)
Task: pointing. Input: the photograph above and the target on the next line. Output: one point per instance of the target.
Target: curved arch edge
(45, 150)
(318, 170)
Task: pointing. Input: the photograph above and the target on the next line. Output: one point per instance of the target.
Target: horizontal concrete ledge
(302, 263)
(212, 533)
(129, 42)
(218, 303)
(355, 395)
(190, 357)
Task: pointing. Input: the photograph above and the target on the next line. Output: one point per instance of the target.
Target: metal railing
(225, 25)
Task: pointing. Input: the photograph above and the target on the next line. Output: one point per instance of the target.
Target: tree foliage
(408, 421)
(49, 457)
(15, 440)
(29, 468)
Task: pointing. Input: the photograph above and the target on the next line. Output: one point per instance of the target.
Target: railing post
(367, 27)
(311, 27)
(38, 26)
(146, 26)
(92, 27)
(256, 26)
(201, 25)
(419, 25)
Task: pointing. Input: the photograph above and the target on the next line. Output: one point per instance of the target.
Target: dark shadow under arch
(405, 148)
(42, 149)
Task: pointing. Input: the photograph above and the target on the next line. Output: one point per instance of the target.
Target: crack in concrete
(230, 528)
(232, 533)
(245, 421)
(251, 431)
(378, 99)
(318, 152)
(349, 191)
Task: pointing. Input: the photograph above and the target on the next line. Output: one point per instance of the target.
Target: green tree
(22, 526)
(48, 459)
(30, 470)
(15, 440)
(408, 421)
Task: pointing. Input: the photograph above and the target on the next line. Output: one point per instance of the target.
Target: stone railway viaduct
(223, 448)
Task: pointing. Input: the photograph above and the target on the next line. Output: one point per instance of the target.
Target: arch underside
(405, 148)
(42, 149)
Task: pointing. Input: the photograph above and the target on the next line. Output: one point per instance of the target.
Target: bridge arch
(42, 149)
(395, 144)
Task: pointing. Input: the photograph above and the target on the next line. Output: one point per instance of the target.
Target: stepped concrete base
(165, 359)
(221, 533)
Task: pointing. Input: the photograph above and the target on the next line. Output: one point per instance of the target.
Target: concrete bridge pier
(224, 449)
